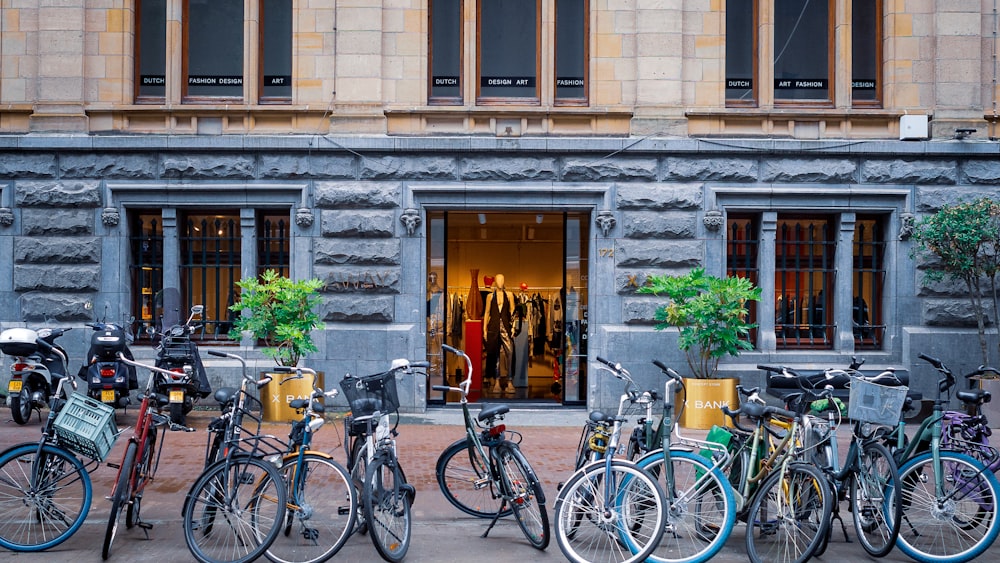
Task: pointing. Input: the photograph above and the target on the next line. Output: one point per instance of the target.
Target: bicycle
(138, 466)
(45, 488)
(322, 502)
(610, 510)
(869, 471)
(969, 431)
(236, 508)
(386, 497)
(785, 502)
(699, 500)
(950, 499)
(486, 474)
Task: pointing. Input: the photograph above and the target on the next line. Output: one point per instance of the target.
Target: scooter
(179, 354)
(109, 379)
(38, 363)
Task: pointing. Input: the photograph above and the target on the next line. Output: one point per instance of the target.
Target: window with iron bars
(742, 246)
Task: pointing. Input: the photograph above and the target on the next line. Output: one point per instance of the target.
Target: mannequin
(435, 320)
(498, 318)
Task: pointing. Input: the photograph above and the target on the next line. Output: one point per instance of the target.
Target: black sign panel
(153, 79)
(276, 80)
(800, 83)
(569, 82)
(215, 80)
(744, 83)
(507, 81)
(863, 84)
(445, 80)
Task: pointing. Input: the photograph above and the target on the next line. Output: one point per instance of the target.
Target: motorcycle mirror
(197, 309)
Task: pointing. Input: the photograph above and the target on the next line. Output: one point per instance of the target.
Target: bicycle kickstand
(503, 505)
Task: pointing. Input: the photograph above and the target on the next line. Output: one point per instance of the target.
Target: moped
(109, 379)
(179, 354)
(35, 369)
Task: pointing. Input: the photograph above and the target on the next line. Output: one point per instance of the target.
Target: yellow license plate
(107, 395)
(177, 396)
(14, 386)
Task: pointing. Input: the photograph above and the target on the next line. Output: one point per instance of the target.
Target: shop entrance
(509, 288)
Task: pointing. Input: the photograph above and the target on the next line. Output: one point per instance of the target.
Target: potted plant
(281, 312)
(713, 321)
(961, 243)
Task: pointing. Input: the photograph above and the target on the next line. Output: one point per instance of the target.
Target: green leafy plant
(281, 312)
(962, 242)
(710, 312)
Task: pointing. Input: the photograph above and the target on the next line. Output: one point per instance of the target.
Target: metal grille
(210, 268)
(868, 282)
(742, 247)
(805, 273)
(146, 268)
(273, 244)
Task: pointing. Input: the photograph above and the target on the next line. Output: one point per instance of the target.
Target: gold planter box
(705, 397)
(275, 397)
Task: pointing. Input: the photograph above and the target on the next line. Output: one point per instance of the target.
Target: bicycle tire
(703, 513)
(143, 472)
(36, 522)
(20, 407)
(120, 497)
(875, 511)
(359, 469)
(961, 528)
(387, 500)
(322, 506)
(585, 535)
(234, 510)
(527, 499)
(800, 494)
(464, 479)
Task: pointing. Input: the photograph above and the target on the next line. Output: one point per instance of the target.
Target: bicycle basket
(371, 393)
(86, 426)
(878, 404)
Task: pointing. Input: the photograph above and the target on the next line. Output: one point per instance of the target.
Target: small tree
(962, 242)
(281, 313)
(711, 313)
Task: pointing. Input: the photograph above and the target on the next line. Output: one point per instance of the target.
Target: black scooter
(109, 380)
(179, 354)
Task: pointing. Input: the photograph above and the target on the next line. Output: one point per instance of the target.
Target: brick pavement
(440, 532)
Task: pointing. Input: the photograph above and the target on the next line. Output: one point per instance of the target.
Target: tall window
(742, 248)
(515, 58)
(868, 280)
(207, 257)
(802, 61)
(150, 51)
(804, 277)
(213, 50)
(276, 51)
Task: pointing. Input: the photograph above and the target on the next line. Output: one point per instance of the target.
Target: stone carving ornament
(714, 220)
(110, 217)
(6, 216)
(411, 220)
(304, 217)
(606, 221)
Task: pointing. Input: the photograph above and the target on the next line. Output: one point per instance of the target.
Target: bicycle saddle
(492, 412)
(973, 396)
(225, 396)
(598, 416)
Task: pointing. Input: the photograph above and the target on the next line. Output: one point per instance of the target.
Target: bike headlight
(275, 460)
(315, 424)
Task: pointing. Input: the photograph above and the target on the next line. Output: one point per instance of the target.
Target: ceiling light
(538, 218)
(482, 218)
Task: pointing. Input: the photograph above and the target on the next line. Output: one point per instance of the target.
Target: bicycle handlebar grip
(440, 388)
(772, 369)
(423, 364)
(447, 348)
(660, 365)
(283, 369)
(608, 363)
(217, 353)
(933, 361)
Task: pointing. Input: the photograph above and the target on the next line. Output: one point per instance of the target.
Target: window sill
(796, 123)
(508, 121)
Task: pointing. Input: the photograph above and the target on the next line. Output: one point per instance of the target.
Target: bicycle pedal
(310, 534)
(343, 511)
(114, 465)
(145, 525)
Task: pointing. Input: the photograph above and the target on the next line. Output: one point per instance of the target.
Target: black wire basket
(371, 393)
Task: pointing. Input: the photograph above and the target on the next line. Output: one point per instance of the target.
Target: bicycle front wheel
(120, 497)
(952, 527)
(701, 507)
(875, 510)
(464, 479)
(43, 498)
(322, 506)
(526, 496)
(609, 516)
(234, 510)
(789, 515)
(387, 500)
(143, 472)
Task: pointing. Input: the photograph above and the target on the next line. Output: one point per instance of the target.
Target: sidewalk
(440, 533)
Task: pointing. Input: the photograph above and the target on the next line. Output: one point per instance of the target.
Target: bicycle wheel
(527, 498)
(789, 515)
(120, 497)
(593, 526)
(955, 527)
(234, 510)
(875, 511)
(43, 504)
(464, 479)
(359, 453)
(386, 501)
(701, 507)
(143, 471)
(321, 508)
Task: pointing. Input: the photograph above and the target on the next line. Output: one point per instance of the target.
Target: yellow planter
(705, 397)
(275, 397)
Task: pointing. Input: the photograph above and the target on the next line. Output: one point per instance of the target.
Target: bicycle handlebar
(246, 376)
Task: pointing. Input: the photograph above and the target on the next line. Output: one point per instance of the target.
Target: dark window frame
(879, 37)
(755, 62)
(445, 100)
(798, 269)
(262, 48)
(137, 94)
(572, 101)
(185, 70)
(511, 100)
(831, 66)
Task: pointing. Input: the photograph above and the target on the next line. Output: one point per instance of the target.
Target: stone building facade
(357, 160)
